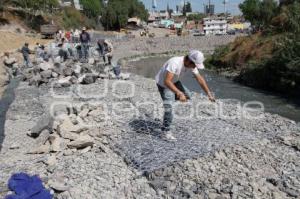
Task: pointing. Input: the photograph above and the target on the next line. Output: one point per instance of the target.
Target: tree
(187, 8)
(92, 8)
(196, 17)
(251, 11)
(259, 13)
(117, 12)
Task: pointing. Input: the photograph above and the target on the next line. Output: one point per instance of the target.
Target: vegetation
(92, 8)
(117, 12)
(187, 8)
(269, 59)
(113, 16)
(196, 17)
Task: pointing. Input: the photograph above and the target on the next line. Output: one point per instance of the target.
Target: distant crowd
(68, 45)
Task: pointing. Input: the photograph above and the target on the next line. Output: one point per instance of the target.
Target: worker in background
(101, 49)
(108, 50)
(26, 52)
(85, 40)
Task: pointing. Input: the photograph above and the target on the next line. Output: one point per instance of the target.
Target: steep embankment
(269, 59)
(260, 61)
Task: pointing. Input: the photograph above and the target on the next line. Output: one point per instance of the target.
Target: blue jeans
(85, 50)
(169, 98)
(27, 62)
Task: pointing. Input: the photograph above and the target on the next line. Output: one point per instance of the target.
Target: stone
(85, 150)
(68, 152)
(84, 113)
(68, 125)
(65, 82)
(67, 71)
(35, 80)
(14, 146)
(103, 76)
(91, 61)
(51, 160)
(81, 142)
(111, 75)
(96, 113)
(124, 76)
(45, 66)
(41, 149)
(87, 79)
(57, 60)
(77, 70)
(54, 74)
(43, 137)
(45, 122)
(55, 142)
(58, 186)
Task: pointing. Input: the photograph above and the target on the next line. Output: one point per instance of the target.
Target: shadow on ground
(5, 102)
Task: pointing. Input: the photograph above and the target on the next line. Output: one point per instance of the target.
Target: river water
(224, 88)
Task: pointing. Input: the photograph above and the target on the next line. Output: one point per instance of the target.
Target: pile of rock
(67, 133)
(67, 73)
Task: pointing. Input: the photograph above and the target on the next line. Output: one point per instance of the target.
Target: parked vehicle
(49, 30)
(197, 33)
(231, 32)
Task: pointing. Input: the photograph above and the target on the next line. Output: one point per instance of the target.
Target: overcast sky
(197, 5)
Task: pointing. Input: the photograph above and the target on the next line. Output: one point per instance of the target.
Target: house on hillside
(69, 3)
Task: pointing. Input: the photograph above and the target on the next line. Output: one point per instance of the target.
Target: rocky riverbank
(104, 142)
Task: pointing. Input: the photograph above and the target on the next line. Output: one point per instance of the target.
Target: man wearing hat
(25, 52)
(85, 39)
(171, 89)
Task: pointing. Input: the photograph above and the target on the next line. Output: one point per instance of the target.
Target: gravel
(125, 157)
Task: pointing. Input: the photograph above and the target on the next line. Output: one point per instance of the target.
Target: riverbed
(224, 88)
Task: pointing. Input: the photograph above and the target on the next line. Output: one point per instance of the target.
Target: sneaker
(168, 136)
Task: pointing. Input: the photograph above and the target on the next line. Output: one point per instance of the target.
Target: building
(69, 3)
(213, 26)
(209, 9)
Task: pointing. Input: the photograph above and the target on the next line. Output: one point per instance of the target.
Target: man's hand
(211, 98)
(182, 97)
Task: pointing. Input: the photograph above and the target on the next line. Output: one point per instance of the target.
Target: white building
(216, 25)
(68, 3)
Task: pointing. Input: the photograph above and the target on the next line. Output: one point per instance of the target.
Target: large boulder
(65, 82)
(44, 123)
(44, 66)
(46, 74)
(81, 142)
(36, 80)
(68, 130)
(87, 78)
(67, 71)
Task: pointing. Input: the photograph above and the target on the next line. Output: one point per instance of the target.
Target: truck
(49, 30)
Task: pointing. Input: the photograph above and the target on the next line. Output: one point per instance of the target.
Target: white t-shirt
(176, 66)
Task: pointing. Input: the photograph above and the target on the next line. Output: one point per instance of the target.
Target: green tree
(196, 17)
(187, 8)
(92, 8)
(117, 12)
(251, 11)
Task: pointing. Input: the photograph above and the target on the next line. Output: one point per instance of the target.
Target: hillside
(268, 59)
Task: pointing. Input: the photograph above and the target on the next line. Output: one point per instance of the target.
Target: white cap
(197, 57)
(84, 28)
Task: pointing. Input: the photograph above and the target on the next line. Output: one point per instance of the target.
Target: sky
(197, 5)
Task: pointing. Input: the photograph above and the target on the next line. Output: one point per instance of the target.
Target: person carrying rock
(85, 39)
(101, 48)
(171, 88)
(25, 52)
(108, 50)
